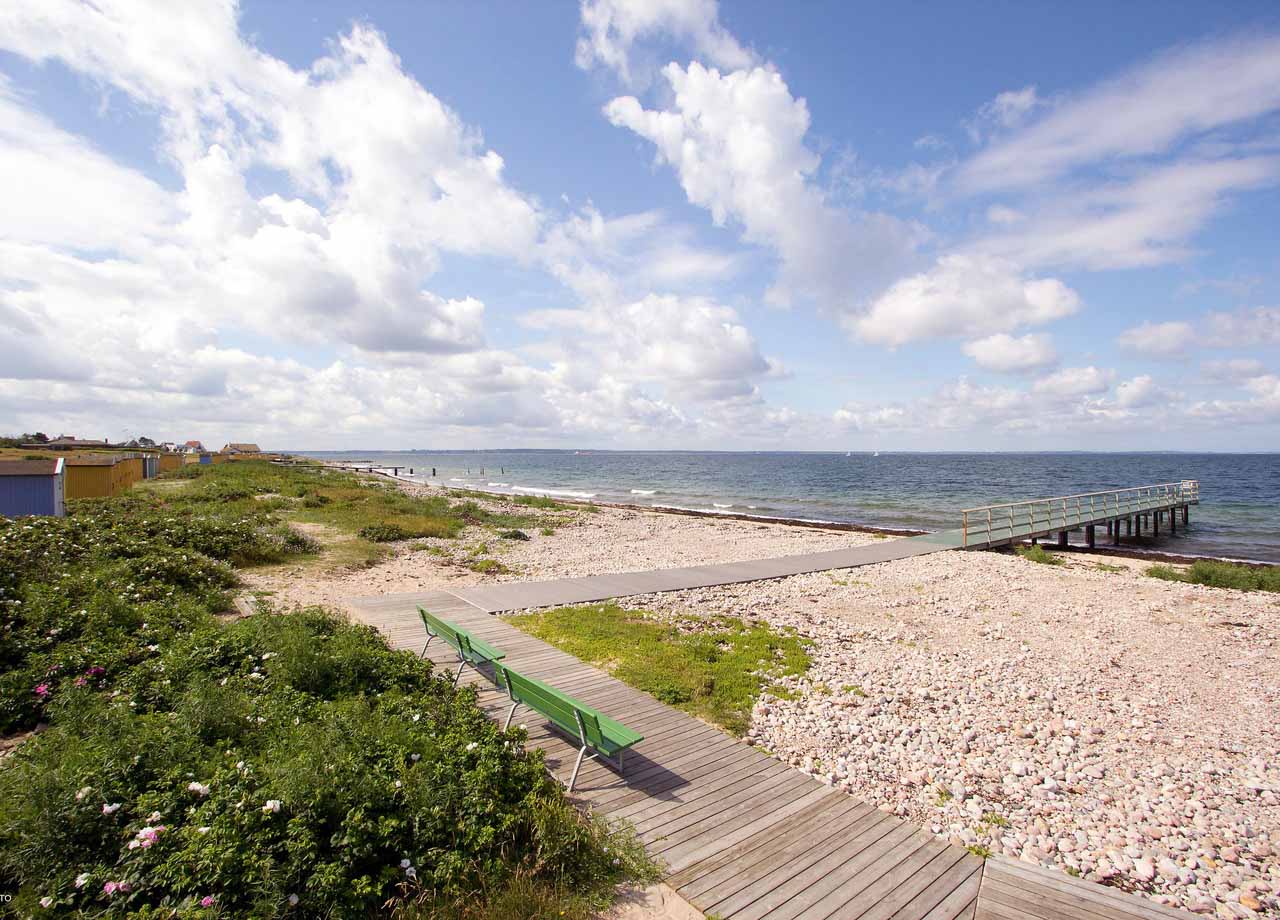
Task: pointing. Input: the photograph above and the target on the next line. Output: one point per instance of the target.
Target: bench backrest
(438, 627)
(557, 707)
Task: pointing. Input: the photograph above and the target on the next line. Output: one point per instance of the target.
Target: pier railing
(994, 523)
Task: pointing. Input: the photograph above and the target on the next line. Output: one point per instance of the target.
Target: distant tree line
(38, 438)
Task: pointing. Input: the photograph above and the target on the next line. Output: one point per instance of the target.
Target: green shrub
(1036, 553)
(282, 756)
(487, 566)
(383, 533)
(1222, 575)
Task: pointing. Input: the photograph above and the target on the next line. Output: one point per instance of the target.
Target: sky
(642, 224)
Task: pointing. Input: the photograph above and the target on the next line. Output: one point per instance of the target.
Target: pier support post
(1155, 524)
(1089, 536)
(1115, 533)
(1137, 524)
(1173, 520)
(1186, 515)
(1062, 539)
(1128, 530)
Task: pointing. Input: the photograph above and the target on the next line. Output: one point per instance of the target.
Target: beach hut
(91, 476)
(206, 459)
(170, 462)
(32, 487)
(128, 471)
(150, 466)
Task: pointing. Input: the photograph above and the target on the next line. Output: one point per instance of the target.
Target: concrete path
(520, 595)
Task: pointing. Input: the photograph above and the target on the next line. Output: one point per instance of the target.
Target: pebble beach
(1083, 716)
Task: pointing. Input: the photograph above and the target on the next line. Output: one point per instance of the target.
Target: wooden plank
(1028, 876)
(897, 888)
(738, 774)
(774, 783)
(854, 892)
(788, 848)
(774, 891)
(738, 830)
(961, 901)
(826, 818)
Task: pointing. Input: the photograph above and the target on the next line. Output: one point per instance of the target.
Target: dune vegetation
(170, 760)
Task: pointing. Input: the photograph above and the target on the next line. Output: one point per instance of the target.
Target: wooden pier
(1135, 509)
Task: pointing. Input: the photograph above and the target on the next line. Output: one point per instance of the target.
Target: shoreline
(1154, 555)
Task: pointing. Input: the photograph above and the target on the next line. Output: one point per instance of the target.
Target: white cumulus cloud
(1009, 354)
(964, 296)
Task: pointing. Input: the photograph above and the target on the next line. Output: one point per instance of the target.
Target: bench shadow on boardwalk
(741, 834)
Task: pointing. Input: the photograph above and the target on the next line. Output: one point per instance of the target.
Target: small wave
(716, 510)
(718, 505)
(556, 493)
(456, 479)
(644, 491)
(500, 485)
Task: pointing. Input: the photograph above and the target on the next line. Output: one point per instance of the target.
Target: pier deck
(741, 834)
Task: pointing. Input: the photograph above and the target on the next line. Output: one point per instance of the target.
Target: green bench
(594, 731)
(471, 650)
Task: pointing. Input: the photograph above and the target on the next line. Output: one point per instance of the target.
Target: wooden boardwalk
(743, 835)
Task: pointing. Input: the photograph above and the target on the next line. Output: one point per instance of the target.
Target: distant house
(241, 449)
(32, 487)
(193, 447)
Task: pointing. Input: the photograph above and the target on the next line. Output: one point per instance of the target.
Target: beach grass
(711, 667)
(361, 511)
(1221, 575)
(1037, 554)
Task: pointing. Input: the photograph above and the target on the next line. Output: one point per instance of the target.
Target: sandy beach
(1084, 716)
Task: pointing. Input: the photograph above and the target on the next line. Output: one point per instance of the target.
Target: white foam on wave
(456, 479)
(718, 505)
(555, 493)
(500, 485)
(644, 491)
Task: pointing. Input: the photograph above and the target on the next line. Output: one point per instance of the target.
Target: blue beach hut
(32, 487)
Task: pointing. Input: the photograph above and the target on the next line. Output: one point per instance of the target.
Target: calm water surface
(1239, 514)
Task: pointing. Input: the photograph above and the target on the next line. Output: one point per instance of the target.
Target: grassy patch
(1037, 554)
(1104, 567)
(979, 850)
(1222, 575)
(487, 566)
(539, 501)
(715, 672)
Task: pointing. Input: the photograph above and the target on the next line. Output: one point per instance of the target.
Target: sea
(1238, 517)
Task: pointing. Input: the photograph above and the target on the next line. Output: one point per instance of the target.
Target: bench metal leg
(510, 713)
(423, 653)
(462, 666)
(576, 767)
